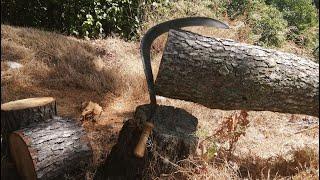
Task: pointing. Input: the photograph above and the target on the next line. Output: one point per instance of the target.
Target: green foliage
(271, 21)
(102, 17)
(267, 22)
(167, 10)
(218, 7)
(301, 16)
(89, 18)
(236, 8)
(212, 150)
(299, 13)
(274, 21)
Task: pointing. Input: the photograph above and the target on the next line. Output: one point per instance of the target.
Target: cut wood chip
(92, 111)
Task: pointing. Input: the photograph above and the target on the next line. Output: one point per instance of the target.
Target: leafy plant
(229, 132)
(299, 13)
(86, 18)
(274, 21)
(302, 19)
(267, 22)
(236, 8)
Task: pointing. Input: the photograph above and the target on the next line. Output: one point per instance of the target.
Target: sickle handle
(141, 146)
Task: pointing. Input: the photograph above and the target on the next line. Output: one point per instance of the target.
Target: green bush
(90, 18)
(105, 16)
(267, 22)
(302, 19)
(237, 8)
(299, 13)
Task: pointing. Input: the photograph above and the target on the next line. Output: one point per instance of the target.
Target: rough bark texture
(172, 139)
(19, 114)
(56, 147)
(223, 74)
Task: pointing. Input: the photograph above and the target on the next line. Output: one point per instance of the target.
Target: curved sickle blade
(164, 27)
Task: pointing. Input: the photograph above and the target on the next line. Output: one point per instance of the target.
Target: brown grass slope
(62, 66)
(74, 71)
(110, 72)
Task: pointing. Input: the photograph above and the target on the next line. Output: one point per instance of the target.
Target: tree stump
(173, 138)
(21, 113)
(224, 74)
(50, 149)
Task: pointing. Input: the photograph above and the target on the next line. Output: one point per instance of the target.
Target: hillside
(109, 71)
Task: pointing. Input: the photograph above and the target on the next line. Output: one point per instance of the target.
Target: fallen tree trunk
(21, 113)
(223, 74)
(50, 149)
(173, 138)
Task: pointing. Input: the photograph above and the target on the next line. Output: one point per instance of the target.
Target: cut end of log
(51, 149)
(26, 103)
(21, 156)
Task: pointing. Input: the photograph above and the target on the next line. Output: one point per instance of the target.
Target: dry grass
(51, 63)
(50, 59)
(55, 64)
(110, 73)
(273, 146)
(73, 71)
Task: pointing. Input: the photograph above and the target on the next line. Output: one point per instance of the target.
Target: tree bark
(223, 74)
(172, 139)
(21, 113)
(50, 149)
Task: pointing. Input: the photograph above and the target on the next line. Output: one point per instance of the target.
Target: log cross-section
(50, 149)
(224, 74)
(21, 113)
